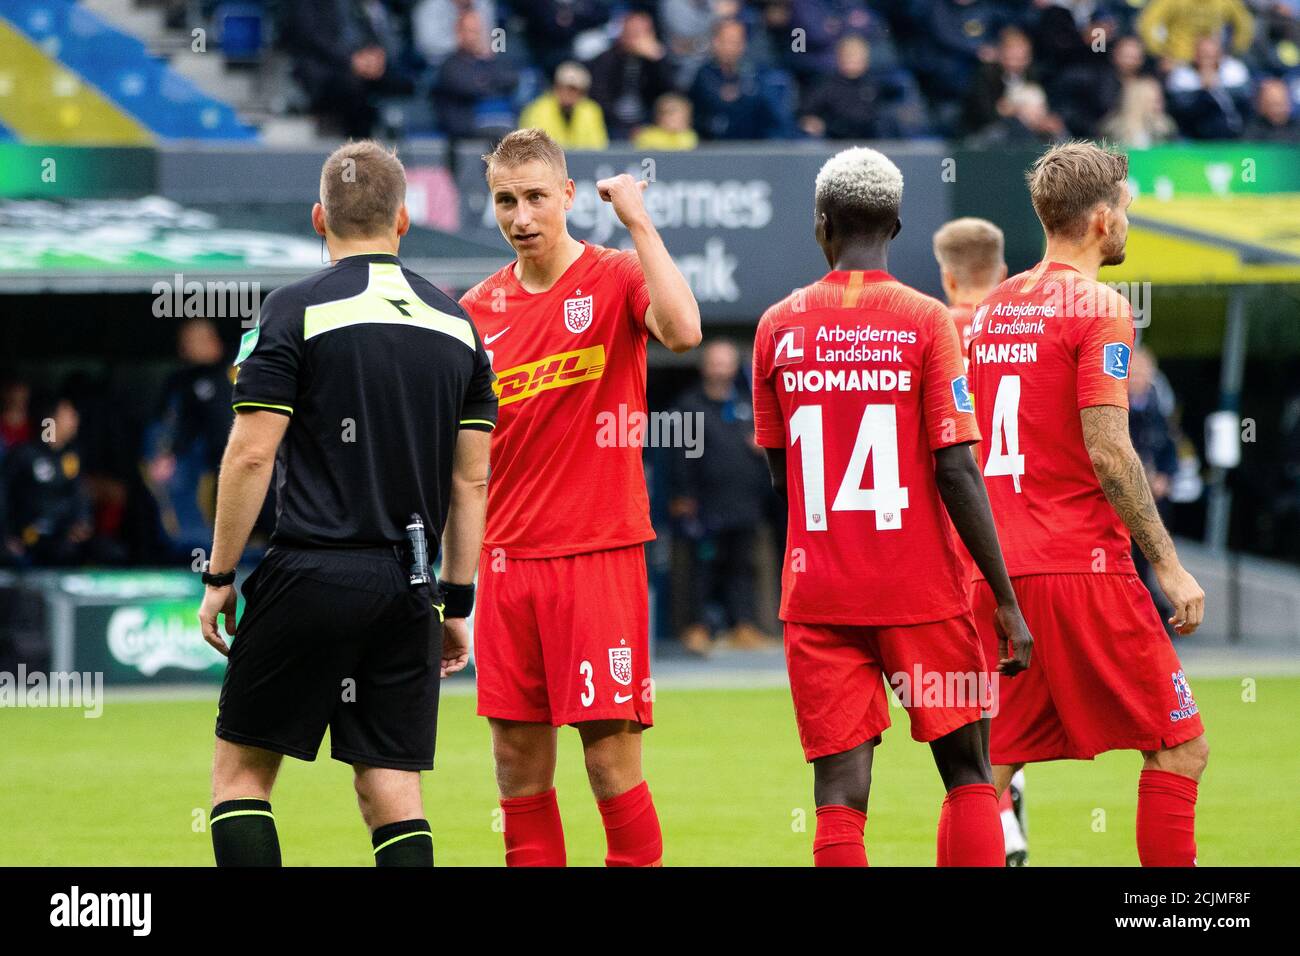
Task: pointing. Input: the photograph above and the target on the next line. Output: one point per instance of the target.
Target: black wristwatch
(222, 580)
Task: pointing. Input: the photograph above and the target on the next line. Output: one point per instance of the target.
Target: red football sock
(1166, 819)
(839, 837)
(534, 832)
(632, 832)
(945, 824)
(973, 830)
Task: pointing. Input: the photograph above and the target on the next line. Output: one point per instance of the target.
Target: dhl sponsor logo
(554, 371)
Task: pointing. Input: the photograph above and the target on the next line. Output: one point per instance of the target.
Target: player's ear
(898, 227)
(318, 219)
(1002, 272)
(569, 191)
(403, 220)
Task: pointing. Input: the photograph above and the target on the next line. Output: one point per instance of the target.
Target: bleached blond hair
(862, 183)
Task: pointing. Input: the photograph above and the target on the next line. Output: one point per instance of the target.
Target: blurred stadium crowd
(667, 74)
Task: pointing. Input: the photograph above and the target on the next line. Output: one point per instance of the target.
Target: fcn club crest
(620, 664)
(577, 314)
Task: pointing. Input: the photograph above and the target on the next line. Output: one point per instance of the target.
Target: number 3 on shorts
(589, 694)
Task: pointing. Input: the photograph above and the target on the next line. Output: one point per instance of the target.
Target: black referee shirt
(379, 371)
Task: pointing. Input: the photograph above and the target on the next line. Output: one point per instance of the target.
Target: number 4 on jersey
(878, 440)
(1004, 444)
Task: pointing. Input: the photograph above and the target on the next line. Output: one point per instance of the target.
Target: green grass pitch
(131, 788)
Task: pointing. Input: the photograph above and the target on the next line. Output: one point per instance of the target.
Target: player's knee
(842, 783)
(610, 772)
(522, 769)
(1190, 758)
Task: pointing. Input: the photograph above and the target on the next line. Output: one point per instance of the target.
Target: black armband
(457, 599)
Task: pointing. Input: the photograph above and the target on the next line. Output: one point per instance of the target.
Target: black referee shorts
(335, 638)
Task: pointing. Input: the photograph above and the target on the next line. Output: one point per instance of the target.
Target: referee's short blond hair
(362, 186)
(971, 250)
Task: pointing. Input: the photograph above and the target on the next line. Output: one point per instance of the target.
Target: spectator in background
(1010, 69)
(1172, 29)
(1153, 440)
(1141, 121)
(48, 510)
(1274, 120)
(344, 55)
(566, 113)
(1209, 96)
(718, 500)
(672, 127)
(183, 446)
(474, 85)
(15, 401)
(687, 27)
(1024, 120)
(435, 25)
(551, 26)
(728, 94)
(952, 38)
(824, 25)
(628, 77)
(847, 104)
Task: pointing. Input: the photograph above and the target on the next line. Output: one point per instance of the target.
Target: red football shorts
(838, 674)
(564, 640)
(1104, 674)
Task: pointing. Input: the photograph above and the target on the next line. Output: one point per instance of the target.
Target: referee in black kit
(370, 393)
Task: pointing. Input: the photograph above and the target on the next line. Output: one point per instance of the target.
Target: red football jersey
(961, 320)
(860, 378)
(567, 476)
(1045, 344)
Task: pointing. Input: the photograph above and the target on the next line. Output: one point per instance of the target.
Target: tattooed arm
(1124, 482)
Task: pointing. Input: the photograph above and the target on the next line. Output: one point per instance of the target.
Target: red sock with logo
(534, 831)
(632, 833)
(839, 837)
(973, 830)
(1166, 819)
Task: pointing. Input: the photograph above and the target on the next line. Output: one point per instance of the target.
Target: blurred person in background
(434, 25)
(824, 25)
(1141, 121)
(551, 26)
(1154, 441)
(184, 444)
(1172, 29)
(951, 38)
(687, 28)
(847, 104)
(1012, 68)
(344, 55)
(628, 77)
(15, 401)
(48, 512)
(672, 127)
(1209, 96)
(719, 500)
(566, 113)
(728, 91)
(1025, 120)
(1274, 120)
(474, 85)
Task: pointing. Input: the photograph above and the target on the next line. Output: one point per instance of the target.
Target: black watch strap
(457, 599)
(222, 580)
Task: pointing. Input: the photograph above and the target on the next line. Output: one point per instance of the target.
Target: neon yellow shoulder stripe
(387, 299)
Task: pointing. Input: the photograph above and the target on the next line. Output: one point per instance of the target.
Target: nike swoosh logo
(489, 339)
(622, 698)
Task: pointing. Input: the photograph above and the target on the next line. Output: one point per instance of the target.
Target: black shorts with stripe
(335, 638)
